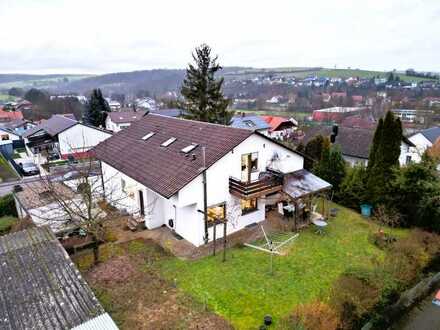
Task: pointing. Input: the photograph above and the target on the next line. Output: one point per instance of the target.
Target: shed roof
(302, 183)
(40, 286)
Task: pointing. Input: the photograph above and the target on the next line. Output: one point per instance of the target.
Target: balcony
(267, 184)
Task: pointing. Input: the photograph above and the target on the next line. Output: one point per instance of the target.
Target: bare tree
(85, 199)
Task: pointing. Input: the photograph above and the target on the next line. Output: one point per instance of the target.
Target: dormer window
(168, 142)
(146, 137)
(189, 148)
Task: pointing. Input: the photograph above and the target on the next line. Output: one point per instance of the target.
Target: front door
(141, 203)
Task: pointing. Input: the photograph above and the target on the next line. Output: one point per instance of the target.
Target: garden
(340, 279)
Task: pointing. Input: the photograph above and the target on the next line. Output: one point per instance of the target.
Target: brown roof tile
(166, 170)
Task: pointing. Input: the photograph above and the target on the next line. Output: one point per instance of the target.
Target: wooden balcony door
(249, 164)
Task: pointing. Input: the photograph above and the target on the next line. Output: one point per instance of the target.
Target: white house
(63, 136)
(8, 136)
(155, 170)
(117, 121)
(424, 140)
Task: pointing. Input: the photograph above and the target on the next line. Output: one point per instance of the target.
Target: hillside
(41, 81)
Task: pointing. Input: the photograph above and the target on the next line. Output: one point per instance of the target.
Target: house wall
(80, 138)
(421, 143)
(114, 127)
(184, 208)
(8, 136)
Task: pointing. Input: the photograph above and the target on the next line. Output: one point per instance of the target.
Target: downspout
(102, 180)
(205, 196)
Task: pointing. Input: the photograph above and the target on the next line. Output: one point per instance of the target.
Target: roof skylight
(146, 137)
(168, 142)
(189, 148)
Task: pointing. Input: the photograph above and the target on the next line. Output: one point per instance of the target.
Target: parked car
(29, 168)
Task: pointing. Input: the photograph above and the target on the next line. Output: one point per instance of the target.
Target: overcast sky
(91, 36)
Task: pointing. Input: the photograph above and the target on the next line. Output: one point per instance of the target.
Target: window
(408, 159)
(123, 185)
(216, 212)
(250, 161)
(168, 142)
(248, 205)
(189, 148)
(5, 137)
(146, 137)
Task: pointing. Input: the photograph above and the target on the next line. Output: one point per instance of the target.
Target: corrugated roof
(101, 322)
(302, 183)
(40, 287)
(166, 170)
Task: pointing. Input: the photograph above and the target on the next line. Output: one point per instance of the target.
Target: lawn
(6, 171)
(242, 289)
(6, 224)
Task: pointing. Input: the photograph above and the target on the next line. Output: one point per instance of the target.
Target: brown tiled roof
(125, 116)
(53, 126)
(353, 142)
(166, 170)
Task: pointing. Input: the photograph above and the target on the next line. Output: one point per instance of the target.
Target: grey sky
(91, 36)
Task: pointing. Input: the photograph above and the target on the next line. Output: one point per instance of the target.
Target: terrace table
(320, 226)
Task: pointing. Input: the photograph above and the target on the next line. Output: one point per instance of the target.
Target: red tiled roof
(166, 170)
(275, 122)
(10, 115)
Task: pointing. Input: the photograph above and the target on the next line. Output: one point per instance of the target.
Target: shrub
(6, 224)
(382, 240)
(7, 206)
(314, 316)
(353, 298)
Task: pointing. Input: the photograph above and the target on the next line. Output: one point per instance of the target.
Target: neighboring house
(117, 121)
(336, 114)
(42, 288)
(280, 127)
(156, 170)
(255, 123)
(19, 126)
(355, 143)
(64, 136)
(424, 140)
(8, 136)
(7, 116)
(176, 113)
(114, 105)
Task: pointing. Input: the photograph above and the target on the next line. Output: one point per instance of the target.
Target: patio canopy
(303, 183)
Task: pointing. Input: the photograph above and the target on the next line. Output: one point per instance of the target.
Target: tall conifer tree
(97, 109)
(204, 100)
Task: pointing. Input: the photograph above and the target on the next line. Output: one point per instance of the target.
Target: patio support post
(224, 240)
(214, 236)
(205, 196)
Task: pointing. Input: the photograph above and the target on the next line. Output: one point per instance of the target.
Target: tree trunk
(95, 250)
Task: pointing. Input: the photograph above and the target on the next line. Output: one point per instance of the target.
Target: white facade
(7, 137)
(115, 127)
(184, 209)
(421, 143)
(80, 138)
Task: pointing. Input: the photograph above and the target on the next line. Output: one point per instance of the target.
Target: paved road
(426, 316)
(6, 187)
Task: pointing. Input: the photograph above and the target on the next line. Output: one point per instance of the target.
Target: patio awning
(302, 183)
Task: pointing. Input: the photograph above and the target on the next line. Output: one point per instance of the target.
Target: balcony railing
(248, 190)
